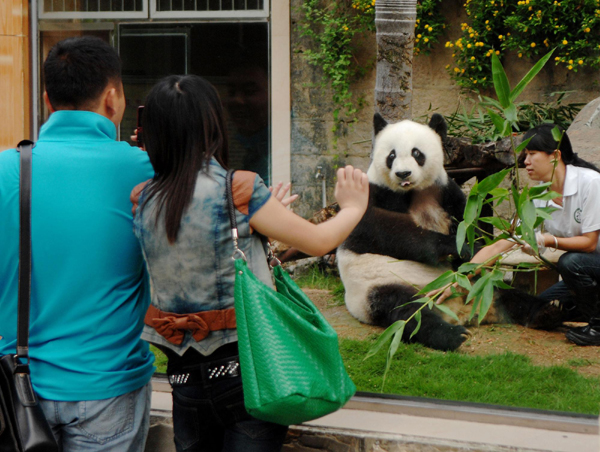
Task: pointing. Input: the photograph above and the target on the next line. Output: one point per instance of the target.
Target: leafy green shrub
(528, 27)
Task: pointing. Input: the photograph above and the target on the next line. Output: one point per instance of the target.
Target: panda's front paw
(449, 338)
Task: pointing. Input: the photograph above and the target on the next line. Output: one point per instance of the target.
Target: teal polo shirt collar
(77, 125)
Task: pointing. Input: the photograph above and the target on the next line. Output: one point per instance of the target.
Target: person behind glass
(247, 103)
(574, 227)
(182, 224)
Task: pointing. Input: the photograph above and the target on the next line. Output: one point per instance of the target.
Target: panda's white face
(407, 156)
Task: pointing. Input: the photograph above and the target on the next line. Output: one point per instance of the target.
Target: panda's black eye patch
(390, 159)
(418, 156)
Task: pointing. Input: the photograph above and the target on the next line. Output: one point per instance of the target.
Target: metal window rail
(459, 411)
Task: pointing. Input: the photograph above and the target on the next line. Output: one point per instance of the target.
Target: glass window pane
(232, 56)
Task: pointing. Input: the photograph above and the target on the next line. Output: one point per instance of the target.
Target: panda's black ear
(438, 124)
(379, 123)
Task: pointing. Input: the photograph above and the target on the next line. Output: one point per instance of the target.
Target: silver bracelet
(555, 242)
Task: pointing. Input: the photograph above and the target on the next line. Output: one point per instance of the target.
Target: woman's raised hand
(352, 189)
(279, 191)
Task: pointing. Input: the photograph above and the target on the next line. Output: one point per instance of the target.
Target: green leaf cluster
(528, 27)
(337, 29)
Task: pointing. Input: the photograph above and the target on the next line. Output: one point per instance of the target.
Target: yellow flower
(456, 69)
(587, 30)
(533, 44)
(520, 55)
(426, 40)
(565, 42)
(580, 62)
(469, 46)
(474, 81)
(472, 58)
(447, 66)
(430, 29)
(569, 67)
(558, 58)
(497, 52)
(419, 36)
(570, 61)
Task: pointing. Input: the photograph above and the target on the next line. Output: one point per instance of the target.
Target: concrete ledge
(403, 424)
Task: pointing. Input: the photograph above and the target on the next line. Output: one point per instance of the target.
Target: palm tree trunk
(395, 25)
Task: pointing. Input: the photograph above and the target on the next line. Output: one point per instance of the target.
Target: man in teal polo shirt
(89, 285)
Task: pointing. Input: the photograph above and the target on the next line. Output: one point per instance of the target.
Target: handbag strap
(25, 150)
(232, 220)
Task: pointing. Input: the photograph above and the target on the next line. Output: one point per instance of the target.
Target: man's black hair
(77, 70)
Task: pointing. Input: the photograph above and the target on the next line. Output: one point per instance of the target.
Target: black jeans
(209, 414)
(580, 285)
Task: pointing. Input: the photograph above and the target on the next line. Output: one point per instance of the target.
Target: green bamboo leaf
(490, 101)
(527, 213)
(468, 267)
(500, 81)
(463, 281)
(475, 307)
(502, 285)
(487, 296)
(510, 113)
(492, 181)
(443, 280)
(541, 213)
(418, 327)
(497, 222)
(478, 287)
(461, 231)
(392, 351)
(471, 209)
(385, 337)
(557, 134)
(446, 310)
(529, 76)
(536, 190)
(522, 145)
(471, 238)
(499, 191)
(496, 120)
(547, 196)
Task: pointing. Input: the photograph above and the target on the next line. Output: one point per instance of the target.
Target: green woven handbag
(292, 370)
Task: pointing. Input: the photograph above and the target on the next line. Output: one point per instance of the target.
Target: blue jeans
(580, 283)
(118, 424)
(209, 415)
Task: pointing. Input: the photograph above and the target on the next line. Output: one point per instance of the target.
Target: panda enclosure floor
(545, 348)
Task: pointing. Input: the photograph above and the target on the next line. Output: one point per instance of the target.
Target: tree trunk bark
(395, 25)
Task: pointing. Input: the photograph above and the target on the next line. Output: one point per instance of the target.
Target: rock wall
(314, 144)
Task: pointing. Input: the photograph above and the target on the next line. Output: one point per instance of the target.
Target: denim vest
(196, 273)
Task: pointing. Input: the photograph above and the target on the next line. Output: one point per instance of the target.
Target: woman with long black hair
(183, 227)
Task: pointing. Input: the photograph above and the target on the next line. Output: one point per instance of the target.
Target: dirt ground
(545, 348)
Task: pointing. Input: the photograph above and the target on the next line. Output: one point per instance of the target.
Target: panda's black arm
(396, 235)
(453, 202)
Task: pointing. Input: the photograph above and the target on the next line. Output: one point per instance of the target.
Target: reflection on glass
(233, 57)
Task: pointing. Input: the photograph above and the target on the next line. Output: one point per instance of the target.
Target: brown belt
(173, 326)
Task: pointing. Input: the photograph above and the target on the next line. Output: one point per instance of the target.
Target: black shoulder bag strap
(24, 148)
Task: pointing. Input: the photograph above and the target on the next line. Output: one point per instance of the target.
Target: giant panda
(407, 238)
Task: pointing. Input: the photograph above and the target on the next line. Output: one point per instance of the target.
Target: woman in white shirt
(574, 227)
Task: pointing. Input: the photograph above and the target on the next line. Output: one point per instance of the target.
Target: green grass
(508, 379)
(323, 279)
